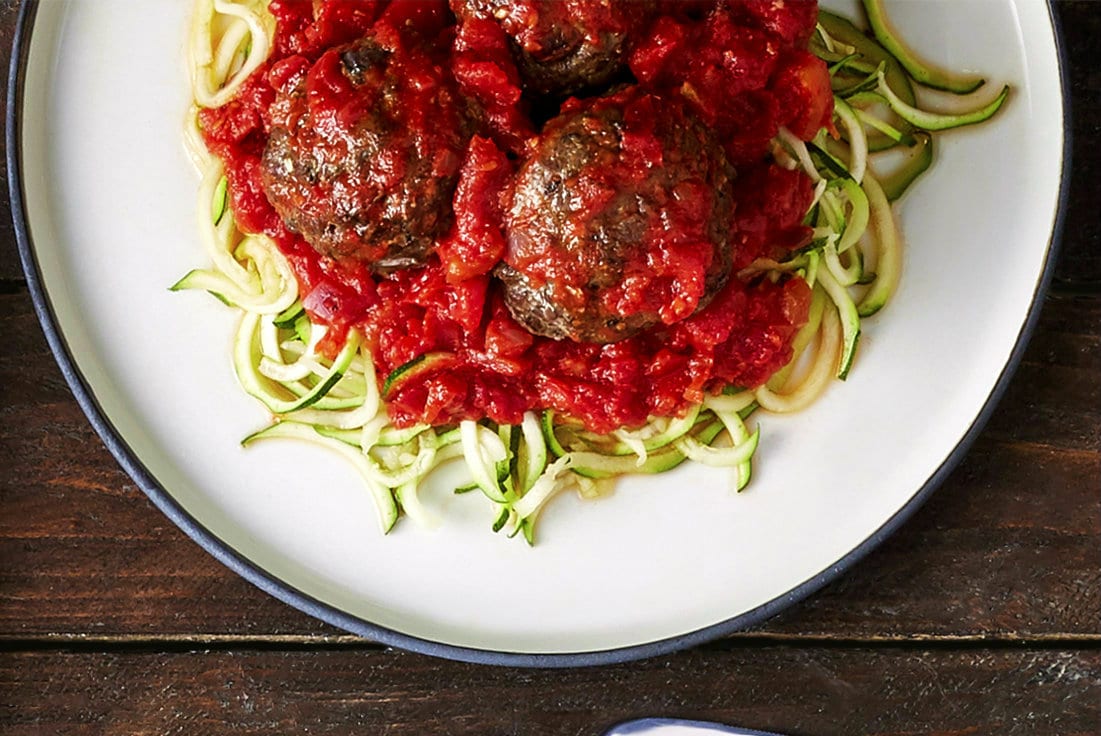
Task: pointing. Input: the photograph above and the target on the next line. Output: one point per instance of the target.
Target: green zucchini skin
(922, 72)
(869, 50)
(422, 365)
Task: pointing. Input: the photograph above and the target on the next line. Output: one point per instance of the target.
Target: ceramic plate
(680, 727)
(105, 198)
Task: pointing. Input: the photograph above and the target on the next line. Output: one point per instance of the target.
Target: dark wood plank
(10, 269)
(1054, 399)
(1081, 267)
(1008, 548)
(793, 691)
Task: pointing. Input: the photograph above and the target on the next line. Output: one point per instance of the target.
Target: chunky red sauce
(740, 68)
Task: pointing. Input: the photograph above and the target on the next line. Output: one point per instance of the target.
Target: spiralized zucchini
(853, 266)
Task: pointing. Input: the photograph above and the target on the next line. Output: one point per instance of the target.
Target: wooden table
(981, 616)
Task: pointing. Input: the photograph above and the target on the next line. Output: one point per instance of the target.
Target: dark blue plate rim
(225, 554)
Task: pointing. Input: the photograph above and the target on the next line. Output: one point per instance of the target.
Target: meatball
(619, 219)
(564, 46)
(364, 151)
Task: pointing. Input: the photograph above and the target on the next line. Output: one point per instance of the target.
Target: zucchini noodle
(852, 265)
(230, 39)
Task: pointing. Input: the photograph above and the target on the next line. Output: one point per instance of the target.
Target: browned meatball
(620, 219)
(364, 151)
(564, 46)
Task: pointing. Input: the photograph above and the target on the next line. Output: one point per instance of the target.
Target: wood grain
(10, 270)
(1080, 21)
(819, 691)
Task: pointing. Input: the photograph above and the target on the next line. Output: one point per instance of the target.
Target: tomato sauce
(488, 365)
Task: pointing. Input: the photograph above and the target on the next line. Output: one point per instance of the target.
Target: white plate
(108, 197)
(680, 727)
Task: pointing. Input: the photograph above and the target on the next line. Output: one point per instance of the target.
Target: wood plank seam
(169, 643)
